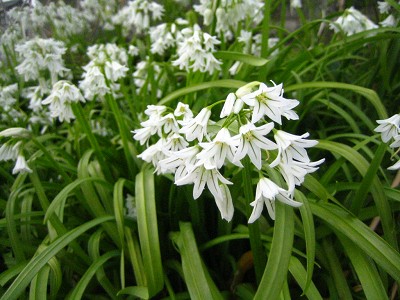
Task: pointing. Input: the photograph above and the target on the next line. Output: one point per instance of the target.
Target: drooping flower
(215, 152)
(269, 101)
(389, 128)
(352, 21)
(196, 128)
(267, 193)
(251, 140)
(21, 166)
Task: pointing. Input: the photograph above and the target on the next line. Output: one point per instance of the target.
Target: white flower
(114, 70)
(295, 3)
(183, 110)
(251, 141)
(180, 162)
(383, 7)
(294, 172)
(352, 21)
(266, 193)
(60, 99)
(270, 102)
(154, 153)
(21, 166)
(214, 153)
(196, 128)
(390, 21)
(202, 175)
(396, 166)
(389, 128)
(143, 134)
(292, 147)
(227, 109)
(225, 204)
(9, 151)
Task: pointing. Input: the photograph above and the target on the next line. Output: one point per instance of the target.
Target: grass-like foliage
(240, 149)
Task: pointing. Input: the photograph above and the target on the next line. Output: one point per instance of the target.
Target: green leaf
(39, 261)
(371, 95)
(366, 270)
(138, 291)
(223, 83)
(59, 201)
(301, 276)
(309, 235)
(279, 255)
(361, 235)
(80, 287)
(148, 230)
(239, 56)
(197, 278)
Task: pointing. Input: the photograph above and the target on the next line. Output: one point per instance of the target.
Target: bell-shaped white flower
(202, 175)
(251, 140)
(225, 204)
(21, 166)
(389, 128)
(292, 147)
(223, 146)
(268, 101)
(196, 128)
(267, 193)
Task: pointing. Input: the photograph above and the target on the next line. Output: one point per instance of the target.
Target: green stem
(78, 112)
(254, 229)
(123, 131)
(265, 36)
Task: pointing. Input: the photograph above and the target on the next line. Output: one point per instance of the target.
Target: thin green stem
(254, 230)
(77, 109)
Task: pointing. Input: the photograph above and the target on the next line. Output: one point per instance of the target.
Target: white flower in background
(8, 96)
(9, 151)
(295, 4)
(62, 95)
(270, 102)
(352, 21)
(39, 55)
(107, 66)
(390, 21)
(162, 37)
(383, 7)
(143, 69)
(138, 15)
(21, 166)
(195, 51)
(389, 128)
(130, 205)
(251, 140)
(196, 128)
(267, 193)
(229, 14)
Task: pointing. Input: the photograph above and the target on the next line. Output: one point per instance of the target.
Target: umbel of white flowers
(195, 148)
(390, 132)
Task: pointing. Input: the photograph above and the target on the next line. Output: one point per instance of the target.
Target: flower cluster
(229, 14)
(107, 66)
(352, 21)
(195, 148)
(41, 55)
(390, 132)
(13, 149)
(138, 14)
(195, 51)
(386, 10)
(62, 95)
